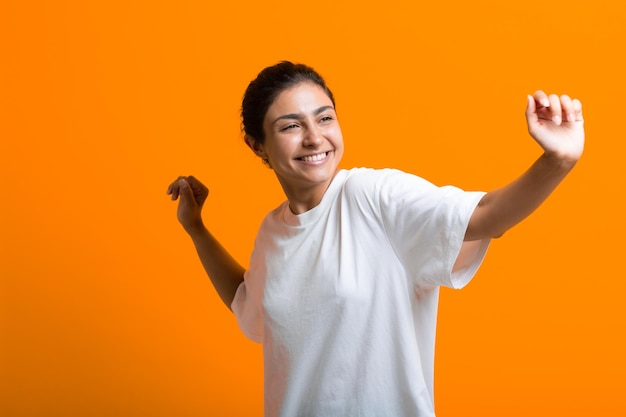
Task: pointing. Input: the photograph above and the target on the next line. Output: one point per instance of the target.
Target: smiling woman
(303, 144)
(343, 283)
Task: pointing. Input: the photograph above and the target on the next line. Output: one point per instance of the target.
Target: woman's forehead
(302, 98)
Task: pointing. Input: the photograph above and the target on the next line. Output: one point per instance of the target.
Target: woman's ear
(258, 150)
(256, 147)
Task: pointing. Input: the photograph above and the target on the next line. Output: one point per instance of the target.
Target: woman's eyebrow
(323, 109)
(300, 116)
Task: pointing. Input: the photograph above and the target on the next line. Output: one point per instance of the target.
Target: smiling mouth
(314, 158)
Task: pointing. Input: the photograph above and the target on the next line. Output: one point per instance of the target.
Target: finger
(578, 109)
(186, 193)
(541, 99)
(194, 183)
(197, 187)
(567, 107)
(174, 188)
(170, 188)
(531, 109)
(555, 109)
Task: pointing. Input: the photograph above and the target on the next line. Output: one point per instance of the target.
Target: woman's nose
(313, 137)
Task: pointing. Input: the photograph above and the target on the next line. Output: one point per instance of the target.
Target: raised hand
(556, 123)
(192, 195)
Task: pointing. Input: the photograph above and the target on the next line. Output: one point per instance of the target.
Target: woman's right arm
(223, 270)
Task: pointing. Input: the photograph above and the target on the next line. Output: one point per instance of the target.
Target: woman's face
(303, 141)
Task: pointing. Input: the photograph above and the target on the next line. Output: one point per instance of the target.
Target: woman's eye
(288, 127)
(326, 119)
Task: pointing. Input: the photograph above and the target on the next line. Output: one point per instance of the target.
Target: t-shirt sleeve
(247, 311)
(426, 225)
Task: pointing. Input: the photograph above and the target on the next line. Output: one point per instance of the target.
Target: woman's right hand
(192, 195)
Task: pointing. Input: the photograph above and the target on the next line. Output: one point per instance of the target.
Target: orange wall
(104, 307)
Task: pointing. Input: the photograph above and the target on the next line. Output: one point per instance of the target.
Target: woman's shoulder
(373, 177)
(366, 174)
(367, 182)
(383, 183)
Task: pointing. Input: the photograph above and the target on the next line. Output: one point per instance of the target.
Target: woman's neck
(304, 198)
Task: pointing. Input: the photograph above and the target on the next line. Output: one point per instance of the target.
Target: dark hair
(263, 90)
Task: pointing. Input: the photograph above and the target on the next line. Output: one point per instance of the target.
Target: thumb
(186, 193)
(531, 109)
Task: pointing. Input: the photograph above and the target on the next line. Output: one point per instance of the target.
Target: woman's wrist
(558, 161)
(196, 230)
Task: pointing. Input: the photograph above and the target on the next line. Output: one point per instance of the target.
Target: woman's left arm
(556, 123)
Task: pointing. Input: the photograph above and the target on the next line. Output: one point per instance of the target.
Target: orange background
(104, 307)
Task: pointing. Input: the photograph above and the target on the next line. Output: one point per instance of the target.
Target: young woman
(342, 287)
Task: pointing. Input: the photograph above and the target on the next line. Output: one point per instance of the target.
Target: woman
(342, 287)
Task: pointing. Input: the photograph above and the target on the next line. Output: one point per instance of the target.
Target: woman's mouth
(314, 158)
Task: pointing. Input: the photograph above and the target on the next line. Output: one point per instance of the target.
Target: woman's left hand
(556, 123)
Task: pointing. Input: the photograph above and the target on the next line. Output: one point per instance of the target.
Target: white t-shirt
(344, 296)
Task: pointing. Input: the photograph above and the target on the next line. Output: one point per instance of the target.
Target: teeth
(313, 158)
